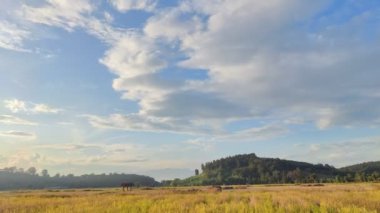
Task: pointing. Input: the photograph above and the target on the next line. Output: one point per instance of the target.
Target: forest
(18, 178)
(250, 169)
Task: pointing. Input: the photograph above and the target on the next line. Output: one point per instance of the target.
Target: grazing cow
(127, 185)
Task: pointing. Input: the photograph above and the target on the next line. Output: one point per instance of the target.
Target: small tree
(196, 172)
(45, 173)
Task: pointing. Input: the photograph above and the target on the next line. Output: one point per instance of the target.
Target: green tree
(196, 172)
(45, 173)
(32, 171)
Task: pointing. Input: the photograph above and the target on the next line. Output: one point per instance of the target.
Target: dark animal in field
(216, 188)
(127, 185)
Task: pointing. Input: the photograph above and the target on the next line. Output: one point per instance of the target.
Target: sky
(158, 87)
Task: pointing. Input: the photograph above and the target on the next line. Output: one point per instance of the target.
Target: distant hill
(367, 167)
(11, 179)
(250, 169)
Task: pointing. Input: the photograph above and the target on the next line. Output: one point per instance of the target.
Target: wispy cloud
(126, 5)
(13, 120)
(12, 36)
(105, 159)
(43, 108)
(80, 154)
(63, 14)
(18, 134)
(60, 13)
(138, 122)
(15, 106)
(255, 134)
(204, 144)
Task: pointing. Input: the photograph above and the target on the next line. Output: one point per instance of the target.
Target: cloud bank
(266, 61)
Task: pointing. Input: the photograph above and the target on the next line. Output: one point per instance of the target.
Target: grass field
(261, 198)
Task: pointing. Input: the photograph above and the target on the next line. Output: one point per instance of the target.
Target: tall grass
(330, 198)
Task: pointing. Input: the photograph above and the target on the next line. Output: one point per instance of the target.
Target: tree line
(19, 178)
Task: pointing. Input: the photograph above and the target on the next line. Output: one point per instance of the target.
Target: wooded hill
(250, 169)
(367, 168)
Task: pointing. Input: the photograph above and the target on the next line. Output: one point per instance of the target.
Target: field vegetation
(363, 197)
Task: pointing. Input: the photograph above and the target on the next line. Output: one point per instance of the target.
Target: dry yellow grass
(288, 198)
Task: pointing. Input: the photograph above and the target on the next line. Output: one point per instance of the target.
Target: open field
(270, 198)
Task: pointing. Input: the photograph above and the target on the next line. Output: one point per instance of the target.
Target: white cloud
(18, 134)
(43, 108)
(263, 59)
(103, 30)
(64, 14)
(108, 17)
(12, 120)
(173, 23)
(146, 88)
(259, 55)
(136, 59)
(20, 22)
(12, 36)
(196, 105)
(214, 102)
(125, 5)
(60, 13)
(133, 55)
(15, 106)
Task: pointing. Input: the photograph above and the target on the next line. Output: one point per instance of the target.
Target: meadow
(363, 197)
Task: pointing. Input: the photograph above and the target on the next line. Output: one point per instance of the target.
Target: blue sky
(158, 87)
